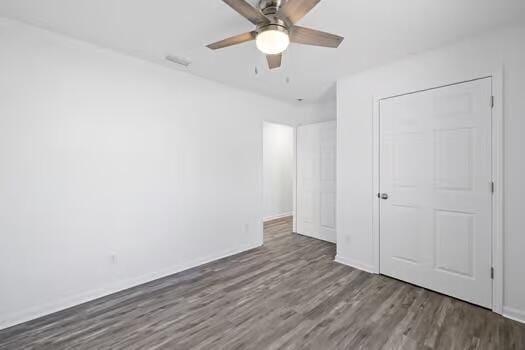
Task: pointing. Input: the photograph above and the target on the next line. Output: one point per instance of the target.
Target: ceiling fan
(275, 28)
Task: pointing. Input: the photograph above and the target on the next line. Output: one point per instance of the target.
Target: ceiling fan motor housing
(270, 8)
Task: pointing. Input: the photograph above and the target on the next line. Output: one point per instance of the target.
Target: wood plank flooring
(288, 294)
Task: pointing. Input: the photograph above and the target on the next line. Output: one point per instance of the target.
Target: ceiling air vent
(179, 60)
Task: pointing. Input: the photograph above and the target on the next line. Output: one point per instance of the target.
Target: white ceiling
(376, 31)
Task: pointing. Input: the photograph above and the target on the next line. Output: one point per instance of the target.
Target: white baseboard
(319, 237)
(7, 321)
(278, 216)
(514, 314)
(355, 264)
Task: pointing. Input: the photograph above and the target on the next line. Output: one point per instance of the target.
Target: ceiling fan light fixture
(273, 40)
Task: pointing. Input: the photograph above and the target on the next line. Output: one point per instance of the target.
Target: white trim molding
(278, 216)
(355, 264)
(294, 220)
(514, 314)
(497, 198)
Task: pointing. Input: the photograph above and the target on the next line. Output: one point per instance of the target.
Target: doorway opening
(278, 172)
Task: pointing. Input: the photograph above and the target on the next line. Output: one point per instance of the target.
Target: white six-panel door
(435, 168)
(316, 168)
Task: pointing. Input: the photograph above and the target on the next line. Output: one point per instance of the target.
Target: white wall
(104, 154)
(278, 165)
(309, 112)
(485, 54)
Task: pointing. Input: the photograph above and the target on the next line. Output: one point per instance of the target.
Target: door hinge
(492, 101)
(491, 273)
(492, 187)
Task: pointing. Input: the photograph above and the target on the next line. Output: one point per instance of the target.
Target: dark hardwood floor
(288, 294)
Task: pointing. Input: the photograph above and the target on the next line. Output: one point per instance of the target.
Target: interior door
(316, 169)
(436, 188)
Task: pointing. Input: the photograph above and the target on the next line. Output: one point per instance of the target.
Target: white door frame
(497, 172)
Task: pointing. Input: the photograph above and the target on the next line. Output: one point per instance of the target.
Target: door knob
(384, 196)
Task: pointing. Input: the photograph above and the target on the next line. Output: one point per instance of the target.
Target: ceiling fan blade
(274, 61)
(248, 11)
(294, 10)
(234, 40)
(307, 36)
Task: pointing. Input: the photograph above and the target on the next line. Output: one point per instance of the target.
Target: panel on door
(316, 176)
(435, 168)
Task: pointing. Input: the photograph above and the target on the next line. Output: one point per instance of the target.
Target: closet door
(435, 183)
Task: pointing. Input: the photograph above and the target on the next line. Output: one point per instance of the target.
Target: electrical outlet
(113, 258)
